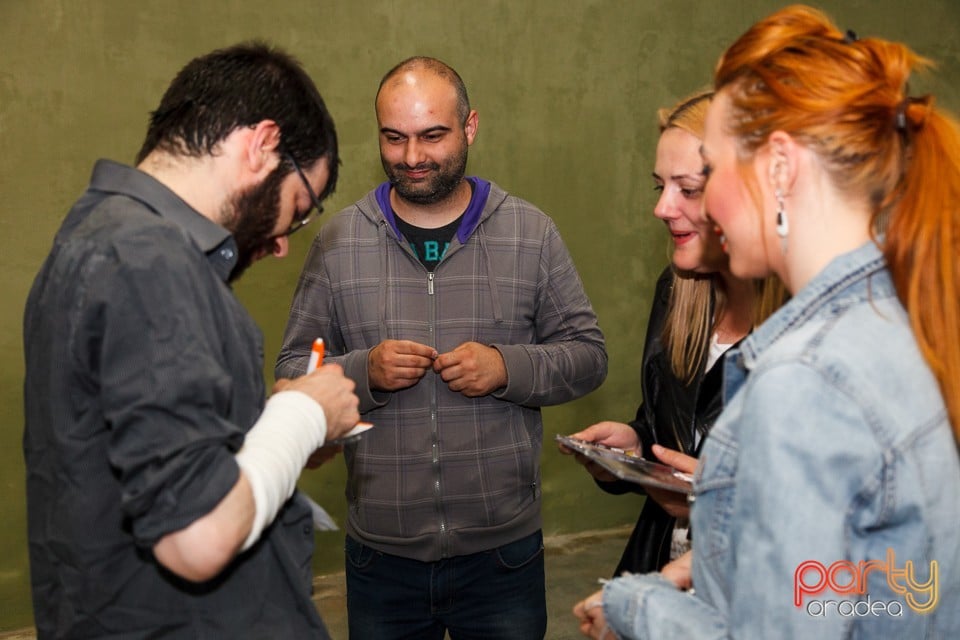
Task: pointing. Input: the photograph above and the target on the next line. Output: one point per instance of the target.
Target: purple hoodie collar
(471, 217)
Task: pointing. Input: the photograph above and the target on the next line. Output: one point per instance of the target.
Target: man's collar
(214, 240)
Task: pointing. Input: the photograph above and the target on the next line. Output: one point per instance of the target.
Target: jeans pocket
(520, 553)
(359, 555)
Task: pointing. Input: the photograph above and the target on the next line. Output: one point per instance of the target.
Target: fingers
(323, 454)
(595, 470)
(397, 364)
(598, 472)
(589, 613)
(675, 459)
(448, 364)
(415, 348)
(673, 503)
(414, 353)
(472, 369)
(404, 354)
(680, 571)
(611, 434)
(585, 608)
(467, 356)
(338, 400)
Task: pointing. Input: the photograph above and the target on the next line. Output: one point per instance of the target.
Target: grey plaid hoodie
(442, 474)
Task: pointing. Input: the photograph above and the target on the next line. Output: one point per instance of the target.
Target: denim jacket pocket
(714, 493)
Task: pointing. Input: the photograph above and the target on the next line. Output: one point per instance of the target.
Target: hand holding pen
(315, 362)
(333, 391)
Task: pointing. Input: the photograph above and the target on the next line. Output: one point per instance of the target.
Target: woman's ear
(783, 161)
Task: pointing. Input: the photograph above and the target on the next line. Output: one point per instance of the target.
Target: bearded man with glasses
(160, 486)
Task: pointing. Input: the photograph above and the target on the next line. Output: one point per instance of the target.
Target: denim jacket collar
(849, 274)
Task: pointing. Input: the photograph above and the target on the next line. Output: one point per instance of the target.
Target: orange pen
(316, 356)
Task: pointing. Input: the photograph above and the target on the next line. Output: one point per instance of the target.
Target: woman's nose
(664, 208)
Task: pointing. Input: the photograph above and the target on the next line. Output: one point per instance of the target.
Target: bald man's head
(424, 64)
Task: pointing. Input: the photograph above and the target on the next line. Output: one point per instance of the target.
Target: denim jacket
(828, 492)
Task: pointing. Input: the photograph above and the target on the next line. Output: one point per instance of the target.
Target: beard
(251, 216)
(434, 188)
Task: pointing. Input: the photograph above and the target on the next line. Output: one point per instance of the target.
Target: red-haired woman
(828, 492)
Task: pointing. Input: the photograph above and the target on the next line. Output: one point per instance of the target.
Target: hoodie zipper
(435, 434)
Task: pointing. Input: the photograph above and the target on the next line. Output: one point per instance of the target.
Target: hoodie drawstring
(382, 288)
(491, 279)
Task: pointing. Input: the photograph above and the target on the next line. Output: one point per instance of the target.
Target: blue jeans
(498, 594)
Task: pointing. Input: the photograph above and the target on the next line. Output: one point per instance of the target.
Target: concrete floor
(573, 564)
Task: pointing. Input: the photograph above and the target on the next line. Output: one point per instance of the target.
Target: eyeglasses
(316, 210)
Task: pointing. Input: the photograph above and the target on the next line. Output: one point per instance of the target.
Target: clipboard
(631, 467)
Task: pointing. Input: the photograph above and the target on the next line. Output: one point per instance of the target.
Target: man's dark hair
(439, 68)
(240, 86)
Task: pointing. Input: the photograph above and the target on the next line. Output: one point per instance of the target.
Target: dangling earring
(783, 225)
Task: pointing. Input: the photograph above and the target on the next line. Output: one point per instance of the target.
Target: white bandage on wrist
(291, 427)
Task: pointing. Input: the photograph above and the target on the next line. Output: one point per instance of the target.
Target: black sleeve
(643, 422)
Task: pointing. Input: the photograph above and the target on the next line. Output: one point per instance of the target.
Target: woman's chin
(688, 261)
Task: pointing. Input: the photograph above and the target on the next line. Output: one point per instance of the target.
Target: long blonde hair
(697, 301)
(689, 321)
(846, 99)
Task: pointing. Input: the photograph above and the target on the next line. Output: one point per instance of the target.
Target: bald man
(458, 312)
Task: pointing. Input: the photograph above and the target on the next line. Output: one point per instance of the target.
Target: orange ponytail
(794, 71)
(923, 246)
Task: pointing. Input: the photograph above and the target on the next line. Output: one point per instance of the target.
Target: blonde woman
(700, 310)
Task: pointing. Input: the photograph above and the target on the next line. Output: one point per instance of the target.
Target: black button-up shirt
(143, 373)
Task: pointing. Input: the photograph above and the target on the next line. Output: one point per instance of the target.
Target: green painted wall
(566, 92)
